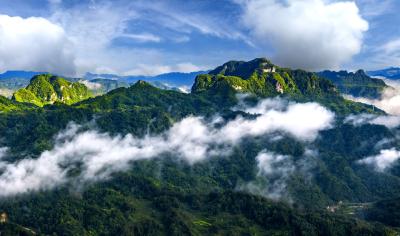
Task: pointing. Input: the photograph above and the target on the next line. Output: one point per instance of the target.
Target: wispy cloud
(361, 119)
(144, 37)
(275, 171)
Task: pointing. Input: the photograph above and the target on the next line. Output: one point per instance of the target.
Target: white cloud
(389, 101)
(6, 92)
(278, 167)
(90, 85)
(36, 44)
(191, 139)
(388, 121)
(384, 160)
(275, 170)
(143, 38)
(303, 121)
(308, 34)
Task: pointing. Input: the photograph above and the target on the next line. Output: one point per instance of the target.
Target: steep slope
(357, 84)
(47, 89)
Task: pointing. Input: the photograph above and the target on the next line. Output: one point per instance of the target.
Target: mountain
(390, 73)
(10, 81)
(48, 89)
(315, 187)
(174, 79)
(19, 74)
(262, 78)
(357, 84)
(6, 105)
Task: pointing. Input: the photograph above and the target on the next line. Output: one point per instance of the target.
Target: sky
(149, 37)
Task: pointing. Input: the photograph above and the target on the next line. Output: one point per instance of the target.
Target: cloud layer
(389, 101)
(34, 43)
(308, 34)
(388, 121)
(193, 139)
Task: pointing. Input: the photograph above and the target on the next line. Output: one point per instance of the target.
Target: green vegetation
(385, 211)
(263, 79)
(167, 196)
(47, 89)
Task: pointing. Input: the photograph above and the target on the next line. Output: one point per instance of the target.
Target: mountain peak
(244, 69)
(263, 78)
(46, 89)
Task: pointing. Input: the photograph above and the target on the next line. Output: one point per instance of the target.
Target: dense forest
(282, 181)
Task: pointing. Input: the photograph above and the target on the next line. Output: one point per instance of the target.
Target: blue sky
(150, 37)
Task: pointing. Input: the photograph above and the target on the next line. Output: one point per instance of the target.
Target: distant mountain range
(390, 73)
(357, 84)
(11, 81)
(19, 74)
(176, 79)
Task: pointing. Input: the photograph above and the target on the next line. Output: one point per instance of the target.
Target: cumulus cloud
(36, 44)
(389, 101)
(388, 121)
(303, 121)
(308, 34)
(192, 139)
(384, 160)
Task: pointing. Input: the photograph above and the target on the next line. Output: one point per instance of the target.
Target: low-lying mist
(193, 139)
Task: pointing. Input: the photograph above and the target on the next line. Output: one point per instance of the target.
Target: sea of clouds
(193, 139)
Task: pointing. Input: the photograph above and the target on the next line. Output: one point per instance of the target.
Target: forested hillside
(254, 149)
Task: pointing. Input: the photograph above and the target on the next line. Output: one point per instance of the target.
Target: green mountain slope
(263, 79)
(47, 89)
(7, 105)
(357, 84)
(167, 196)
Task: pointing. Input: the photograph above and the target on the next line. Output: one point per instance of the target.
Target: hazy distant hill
(175, 79)
(357, 84)
(390, 73)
